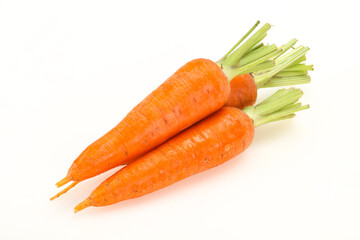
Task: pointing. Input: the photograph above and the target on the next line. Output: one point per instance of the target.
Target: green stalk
(264, 65)
(279, 106)
(299, 67)
(236, 55)
(291, 73)
(292, 56)
(300, 60)
(256, 54)
(287, 81)
(287, 46)
(254, 44)
(257, 46)
(284, 49)
(240, 41)
(231, 72)
(269, 65)
(286, 56)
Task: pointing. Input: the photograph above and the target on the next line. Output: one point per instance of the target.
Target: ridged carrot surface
(205, 145)
(196, 90)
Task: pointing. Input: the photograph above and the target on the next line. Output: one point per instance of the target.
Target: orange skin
(205, 145)
(193, 92)
(243, 92)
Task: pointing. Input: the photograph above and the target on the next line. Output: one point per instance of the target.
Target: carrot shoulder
(228, 132)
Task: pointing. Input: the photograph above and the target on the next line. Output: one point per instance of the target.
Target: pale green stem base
(279, 106)
(250, 55)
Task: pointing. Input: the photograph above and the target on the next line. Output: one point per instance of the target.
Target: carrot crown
(280, 106)
(250, 55)
(270, 66)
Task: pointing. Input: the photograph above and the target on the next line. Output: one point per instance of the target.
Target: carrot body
(243, 91)
(196, 90)
(205, 145)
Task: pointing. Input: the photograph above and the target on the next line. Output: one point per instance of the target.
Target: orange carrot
(205, 145)
(243, 92)
(196, 90)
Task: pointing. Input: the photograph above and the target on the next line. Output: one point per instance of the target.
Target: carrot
(228, 132)
(196, 90)
(161, 115)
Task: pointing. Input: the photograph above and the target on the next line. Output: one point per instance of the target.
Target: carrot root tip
(81, 206)
(64, 191)
(63, 181)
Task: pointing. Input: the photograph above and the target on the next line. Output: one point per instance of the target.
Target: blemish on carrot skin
(126, 153)
(166, 121)
(208, 91)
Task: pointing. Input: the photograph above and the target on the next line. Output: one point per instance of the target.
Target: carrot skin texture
(243, 92)
(193, 92)
(207, 144)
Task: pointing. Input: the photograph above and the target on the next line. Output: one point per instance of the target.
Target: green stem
(257, 46)
(283, 53)
(235, 56)
(279, 106)
(300, 60)
(287, 81)
(294, 55)
(256, 54)
(264, 65)
(231, 72)
(299, 67)
(240, 41)
(287, 46)
(291, 73)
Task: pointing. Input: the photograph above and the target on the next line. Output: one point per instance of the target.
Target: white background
(71, 70)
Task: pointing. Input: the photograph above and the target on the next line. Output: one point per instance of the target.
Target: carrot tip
(64, 191)
(63, 181)
(81, 206)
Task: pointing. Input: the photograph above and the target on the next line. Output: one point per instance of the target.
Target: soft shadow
(268, 132)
